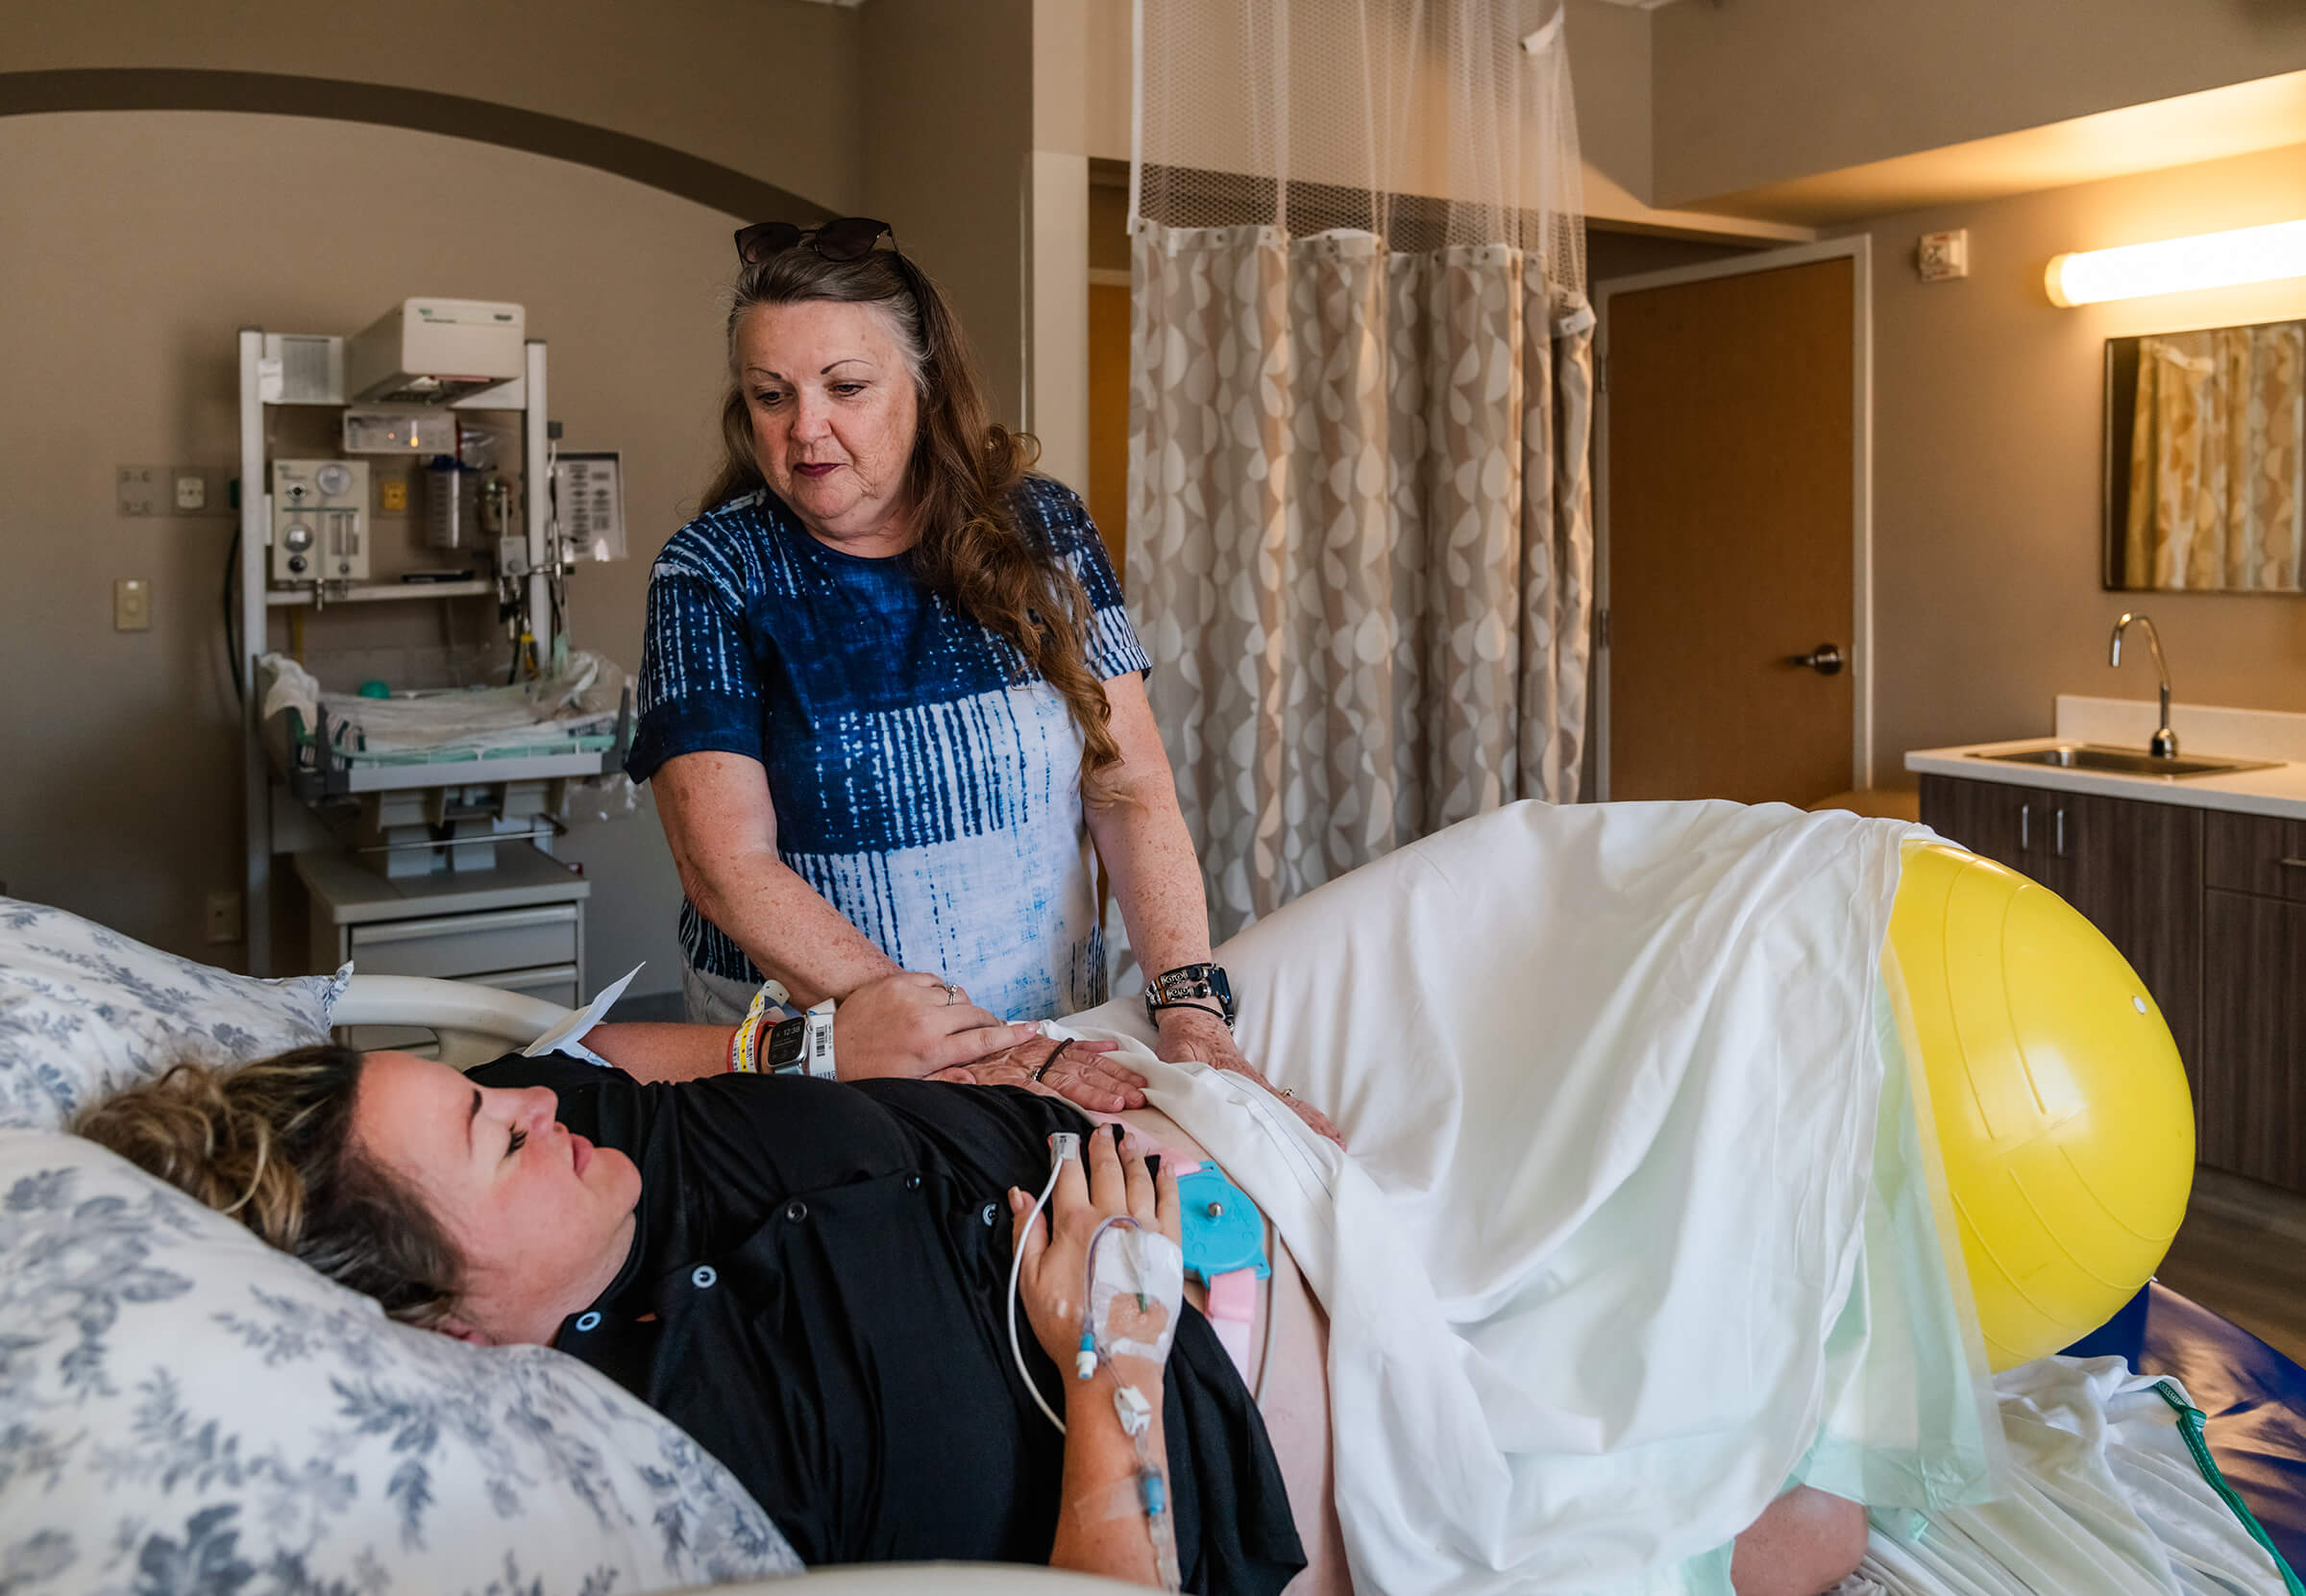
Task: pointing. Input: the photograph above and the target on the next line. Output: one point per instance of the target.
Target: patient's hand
(1084, 1075)
(1197, 1034)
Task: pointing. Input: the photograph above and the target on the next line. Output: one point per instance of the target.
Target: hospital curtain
(1360, 548)
(2217, 460)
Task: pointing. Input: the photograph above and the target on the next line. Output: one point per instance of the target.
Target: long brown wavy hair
(962, 479)
(271, 1145)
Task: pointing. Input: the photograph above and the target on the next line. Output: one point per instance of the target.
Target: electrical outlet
(172, 490)
(223, 922)
(132, 605)
(139, 489)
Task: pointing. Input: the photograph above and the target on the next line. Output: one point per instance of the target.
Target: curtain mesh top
(1426, 122)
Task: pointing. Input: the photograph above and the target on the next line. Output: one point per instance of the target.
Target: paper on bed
(1612, 1077)
(567, 1037)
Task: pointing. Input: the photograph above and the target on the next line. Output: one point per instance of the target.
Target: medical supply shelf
(254, 597)
(520, 927)
(371, 593)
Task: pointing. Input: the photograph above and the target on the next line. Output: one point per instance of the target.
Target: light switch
(132, 605)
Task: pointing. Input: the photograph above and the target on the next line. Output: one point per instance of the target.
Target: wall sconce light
(2175, 265)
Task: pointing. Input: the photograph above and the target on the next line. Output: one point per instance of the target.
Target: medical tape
(1122, 1500)
(1133, 1271)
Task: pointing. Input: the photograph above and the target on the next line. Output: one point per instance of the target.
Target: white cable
(1016, 1263)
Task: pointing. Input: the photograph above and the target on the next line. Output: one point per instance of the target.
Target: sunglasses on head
(844, 238)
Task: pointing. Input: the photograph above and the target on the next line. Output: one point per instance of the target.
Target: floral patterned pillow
(185, 1410)
(85, 1011)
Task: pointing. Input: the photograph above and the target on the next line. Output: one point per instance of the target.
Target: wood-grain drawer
(2254, 853)
(461, 946)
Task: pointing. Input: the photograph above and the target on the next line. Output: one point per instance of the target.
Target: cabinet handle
(2026, 828)
(2292, 864)
(2059, 848)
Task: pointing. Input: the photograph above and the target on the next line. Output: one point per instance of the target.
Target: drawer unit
(460, 946)
(554, 983)
(2255, 854)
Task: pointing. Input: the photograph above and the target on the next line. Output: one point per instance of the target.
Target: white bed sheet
(1611, 1076)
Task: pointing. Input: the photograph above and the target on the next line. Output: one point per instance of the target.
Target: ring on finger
(1286, 1092)
(953, 994)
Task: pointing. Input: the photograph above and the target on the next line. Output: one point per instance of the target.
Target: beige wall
(1765, 91)
(139, 241)
(1987, 459)
(768, 88)
(945, 124)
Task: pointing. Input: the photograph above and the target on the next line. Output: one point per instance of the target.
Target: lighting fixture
(2176, 265)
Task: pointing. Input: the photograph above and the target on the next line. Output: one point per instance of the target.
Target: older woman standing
(892, 707)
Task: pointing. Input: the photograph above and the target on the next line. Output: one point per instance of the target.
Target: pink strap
(1232, 1313)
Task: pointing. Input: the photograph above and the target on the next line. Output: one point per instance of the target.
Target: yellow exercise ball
(2063, 1114)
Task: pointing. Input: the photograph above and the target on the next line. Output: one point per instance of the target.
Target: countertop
(2202, 732)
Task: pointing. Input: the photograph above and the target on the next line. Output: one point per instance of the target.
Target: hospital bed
(1322, 1019)
(2254, 1399)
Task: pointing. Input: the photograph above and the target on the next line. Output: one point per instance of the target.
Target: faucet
(2165, 745)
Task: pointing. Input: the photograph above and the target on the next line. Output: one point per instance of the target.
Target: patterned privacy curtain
(1360, 546)
(2217, 460)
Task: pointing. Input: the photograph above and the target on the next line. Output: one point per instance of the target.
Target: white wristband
(816, 1049)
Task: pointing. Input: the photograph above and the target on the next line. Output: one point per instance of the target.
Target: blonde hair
(271, 1145)
(964, 469)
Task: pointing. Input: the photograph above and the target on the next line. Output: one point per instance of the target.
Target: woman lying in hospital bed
(810, 1278)
(1635, 1240)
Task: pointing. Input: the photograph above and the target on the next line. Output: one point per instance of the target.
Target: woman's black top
(816, 1294)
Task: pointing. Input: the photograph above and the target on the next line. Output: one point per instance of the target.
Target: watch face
(788, 1041)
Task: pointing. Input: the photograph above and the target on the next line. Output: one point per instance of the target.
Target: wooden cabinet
(2255, 1012)
(2210, 909)
(2134, 869)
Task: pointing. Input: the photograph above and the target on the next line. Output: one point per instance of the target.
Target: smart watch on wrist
(1202, 987)
(803, 1045)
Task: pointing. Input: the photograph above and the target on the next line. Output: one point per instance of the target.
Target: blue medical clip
(1222, 1228)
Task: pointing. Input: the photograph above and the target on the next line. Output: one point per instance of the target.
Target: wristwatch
(801, 1046)
(1192, 987)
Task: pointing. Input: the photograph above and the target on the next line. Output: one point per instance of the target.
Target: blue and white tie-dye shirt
(925, 782)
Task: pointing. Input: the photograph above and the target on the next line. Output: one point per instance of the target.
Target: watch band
(1201, 986)
(803, 1045)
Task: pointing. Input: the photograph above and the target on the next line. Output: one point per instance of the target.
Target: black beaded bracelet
(1218, 1014)
(1049, 1062)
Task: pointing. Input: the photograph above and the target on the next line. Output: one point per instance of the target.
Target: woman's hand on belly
(911, 1024)
(1199, 1034)
(1081, 1075)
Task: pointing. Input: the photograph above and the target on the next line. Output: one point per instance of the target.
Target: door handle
(1825, 659)
(2058, 840)
(2026, 828)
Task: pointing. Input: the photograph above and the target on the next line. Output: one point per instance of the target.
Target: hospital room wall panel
(138, 243)
(691, 76)
(1988, 421)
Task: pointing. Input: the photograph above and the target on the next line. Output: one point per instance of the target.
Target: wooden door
(1732, 499)
(1108, 492)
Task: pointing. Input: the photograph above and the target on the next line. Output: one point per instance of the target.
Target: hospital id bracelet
(1202, 987)
(745, 1048)
(802, 1044)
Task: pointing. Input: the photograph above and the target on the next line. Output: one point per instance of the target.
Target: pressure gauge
(335, 478)
(297, 538)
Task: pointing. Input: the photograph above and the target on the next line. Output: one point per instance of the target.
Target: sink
(2093, 757)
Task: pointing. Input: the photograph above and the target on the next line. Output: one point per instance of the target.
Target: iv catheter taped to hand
(1136, 1291)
